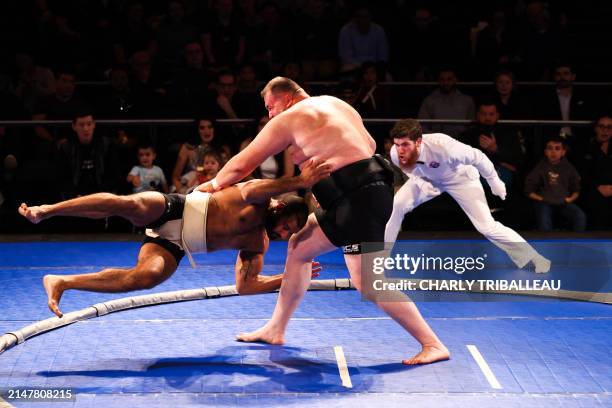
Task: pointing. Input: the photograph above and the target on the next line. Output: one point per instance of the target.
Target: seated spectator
(422, 37)
(117, 100)
(347, 91)
(191, 155)
(208, 169)
(510, 103)
(223, 37)
(280, 165)
(173, 34)
(598, 176)
(317, 53)
(541, 43)
(362, 40)
(146, 176)
(272, 42)
(88, 163)
(33, 82)
(247, 80)
(222, 105)
(554, 186)
(192, 83)
(372, 98)
(62, 104)
(501, 144)
(566, 103)
(228, 104)
(133, 34)
(147, 86)
(495, 44)
(247, 97)
(447, 102)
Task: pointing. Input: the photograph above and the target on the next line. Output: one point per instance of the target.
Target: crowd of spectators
(85, 60)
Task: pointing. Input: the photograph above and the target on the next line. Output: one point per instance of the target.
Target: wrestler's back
(328, 129)
(233, 223)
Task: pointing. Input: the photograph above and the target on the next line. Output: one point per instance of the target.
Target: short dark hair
(289, 205)
(487, 101)
(505, 72)
(556, 139)
(410, 128)
(81, 113)
(280, 84)
(146, 145)
(564, 63)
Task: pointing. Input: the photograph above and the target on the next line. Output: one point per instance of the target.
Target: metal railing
(152, 125)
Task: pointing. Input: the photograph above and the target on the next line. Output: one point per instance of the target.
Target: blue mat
(543, 353)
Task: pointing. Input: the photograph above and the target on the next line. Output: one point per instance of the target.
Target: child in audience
(146, 176)
(554, 186)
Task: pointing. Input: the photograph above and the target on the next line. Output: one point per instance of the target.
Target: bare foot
(53, 287)
(429, 354)
(34, 214)
(262, 335)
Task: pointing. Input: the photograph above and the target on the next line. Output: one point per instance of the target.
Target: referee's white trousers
(469, 194)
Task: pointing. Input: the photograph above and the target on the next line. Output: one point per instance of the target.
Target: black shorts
(174, 249)
(175, 203)
(356, 203)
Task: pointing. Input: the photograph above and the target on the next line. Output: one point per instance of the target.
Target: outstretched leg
(140, 209)
(471, 198)
(404, 312)
(305, 245)
(155, 265)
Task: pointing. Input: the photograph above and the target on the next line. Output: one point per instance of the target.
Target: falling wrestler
(243, 217)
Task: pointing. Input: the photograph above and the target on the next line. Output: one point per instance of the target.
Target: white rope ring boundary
(13, 338)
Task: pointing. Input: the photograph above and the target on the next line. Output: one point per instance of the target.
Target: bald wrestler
(355, 201)
(242, 217)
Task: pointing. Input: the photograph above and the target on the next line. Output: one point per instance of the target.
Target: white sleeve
(460, 153)
(135, 171)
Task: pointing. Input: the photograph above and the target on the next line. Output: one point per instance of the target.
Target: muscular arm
(248, 279)
(259, 191)
(273, 138)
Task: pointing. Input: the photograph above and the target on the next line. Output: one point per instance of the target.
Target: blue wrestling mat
(532, 353)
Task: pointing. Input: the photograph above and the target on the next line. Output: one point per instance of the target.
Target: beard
(410, 160)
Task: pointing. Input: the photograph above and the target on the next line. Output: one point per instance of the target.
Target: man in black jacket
(87, 164)
(564, 103)
(501, 144)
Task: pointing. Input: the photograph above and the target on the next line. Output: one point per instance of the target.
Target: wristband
(215, 184)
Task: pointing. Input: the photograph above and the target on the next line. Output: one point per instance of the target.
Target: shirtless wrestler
(241, 217)
(356, 201)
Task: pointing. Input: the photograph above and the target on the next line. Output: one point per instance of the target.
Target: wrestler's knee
(145, 277)
(295, 250)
